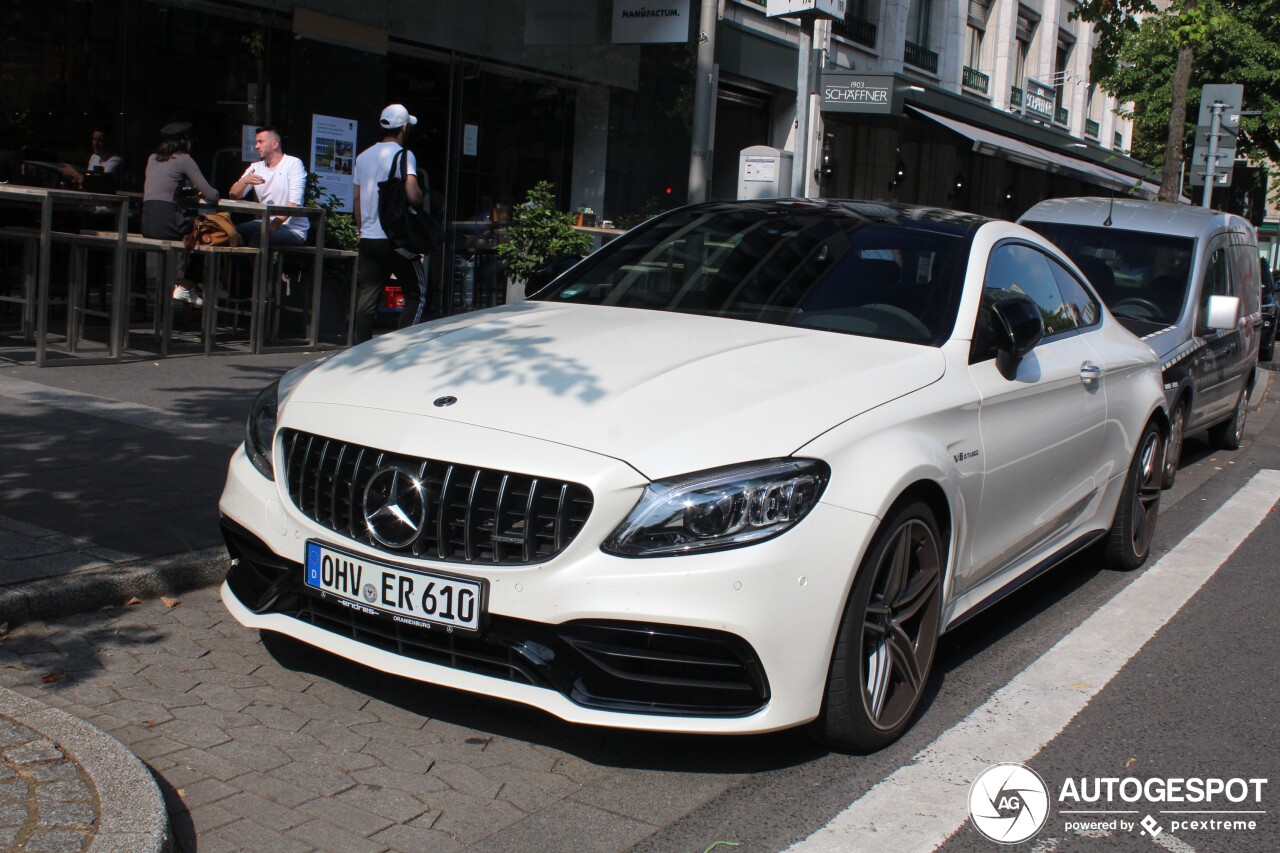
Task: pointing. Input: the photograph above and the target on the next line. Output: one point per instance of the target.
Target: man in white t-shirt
(279, 179)
(378, 257)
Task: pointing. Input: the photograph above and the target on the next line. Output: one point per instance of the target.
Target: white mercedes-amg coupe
(736, 471)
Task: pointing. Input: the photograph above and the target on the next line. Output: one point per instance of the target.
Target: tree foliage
(1231, 41)
(539, 232)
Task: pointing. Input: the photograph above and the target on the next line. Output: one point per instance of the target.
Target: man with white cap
(378, 257)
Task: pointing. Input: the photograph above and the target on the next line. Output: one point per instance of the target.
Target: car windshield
(828, 267)
(1139, 275)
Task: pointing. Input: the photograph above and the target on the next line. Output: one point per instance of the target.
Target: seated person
(169, 169)
(278, 179)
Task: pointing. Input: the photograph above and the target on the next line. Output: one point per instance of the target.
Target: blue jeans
(251, 234)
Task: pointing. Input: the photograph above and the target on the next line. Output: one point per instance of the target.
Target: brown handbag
(213, 229)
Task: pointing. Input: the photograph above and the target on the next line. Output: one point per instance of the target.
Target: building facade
(982, 105)
(595, 96)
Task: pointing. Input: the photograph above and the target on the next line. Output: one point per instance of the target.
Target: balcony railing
(1118, 141)
(1061, 115)
(856, 30)
(976, 80)
(920, 57)
(1091, 128)
(1015, 97)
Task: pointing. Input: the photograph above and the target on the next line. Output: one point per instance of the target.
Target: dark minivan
(1185, 280)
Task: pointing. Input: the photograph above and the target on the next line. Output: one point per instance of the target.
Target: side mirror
(1222, 312)
(1016, 325)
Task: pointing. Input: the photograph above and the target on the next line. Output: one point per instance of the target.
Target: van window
(1247, 277)
(1139, 275)
(1217, 279)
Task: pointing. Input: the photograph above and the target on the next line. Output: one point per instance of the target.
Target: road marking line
(135, 414)
(922, 804)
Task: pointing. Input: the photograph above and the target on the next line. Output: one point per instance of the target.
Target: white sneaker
(182, 293)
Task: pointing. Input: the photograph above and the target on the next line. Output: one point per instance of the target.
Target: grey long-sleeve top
(164, 179)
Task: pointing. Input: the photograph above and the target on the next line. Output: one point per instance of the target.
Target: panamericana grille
(472, 514)
(630, 667)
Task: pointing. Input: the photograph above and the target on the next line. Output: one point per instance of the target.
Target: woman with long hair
(168, 170)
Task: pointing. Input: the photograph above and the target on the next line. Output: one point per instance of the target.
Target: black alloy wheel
(885, 648)
(1129, 541)
(1173, 446)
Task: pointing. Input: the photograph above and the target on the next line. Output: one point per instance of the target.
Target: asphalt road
(263, 746)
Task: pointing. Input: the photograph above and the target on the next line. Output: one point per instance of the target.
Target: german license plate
(408, 596)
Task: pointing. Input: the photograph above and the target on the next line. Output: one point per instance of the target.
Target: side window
(1078, 300)
(1021, 269)
(1014, 268)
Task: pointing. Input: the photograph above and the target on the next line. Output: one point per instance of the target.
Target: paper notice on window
(333, 157)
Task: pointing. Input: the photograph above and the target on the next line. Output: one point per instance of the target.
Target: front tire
(1129, 541)
(885, 647)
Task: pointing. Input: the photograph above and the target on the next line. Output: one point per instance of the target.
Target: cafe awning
(998, 145)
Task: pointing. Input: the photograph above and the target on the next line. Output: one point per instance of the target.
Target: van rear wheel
(1230, 435)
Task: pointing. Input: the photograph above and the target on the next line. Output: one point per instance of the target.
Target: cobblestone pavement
(47, 802)
(264, 745)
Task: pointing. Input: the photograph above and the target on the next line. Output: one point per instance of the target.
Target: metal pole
(1211, 161)
(704, 105)
(800, 148)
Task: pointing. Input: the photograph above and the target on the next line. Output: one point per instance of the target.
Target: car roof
(892, 213)
(1129, 214)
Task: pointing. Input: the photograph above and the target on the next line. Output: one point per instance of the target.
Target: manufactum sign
(858, 93)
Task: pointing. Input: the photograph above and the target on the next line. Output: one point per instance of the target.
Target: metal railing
(920, 57)
(1061, 115)
(1091, 128)
(856, 30)
(975, 80)
(1015, 97)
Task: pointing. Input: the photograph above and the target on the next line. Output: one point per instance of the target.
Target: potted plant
(539, 233)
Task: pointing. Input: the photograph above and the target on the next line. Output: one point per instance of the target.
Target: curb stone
(131, 812)
(113, 584)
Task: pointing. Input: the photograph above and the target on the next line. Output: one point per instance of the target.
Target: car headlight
(719, 509)
(260, 431)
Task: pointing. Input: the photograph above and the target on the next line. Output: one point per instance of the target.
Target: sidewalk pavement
(109, 485)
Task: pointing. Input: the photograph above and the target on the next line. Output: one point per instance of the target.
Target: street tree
(1151, 57)
(1117, 22)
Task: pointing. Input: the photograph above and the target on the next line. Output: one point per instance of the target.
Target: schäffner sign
(858, 93)
(1038, 100)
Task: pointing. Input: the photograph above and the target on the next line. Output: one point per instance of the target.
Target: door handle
(1090, 372)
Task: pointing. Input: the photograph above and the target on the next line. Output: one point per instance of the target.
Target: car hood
(665, 392)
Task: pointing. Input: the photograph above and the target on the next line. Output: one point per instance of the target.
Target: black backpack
(411, 229)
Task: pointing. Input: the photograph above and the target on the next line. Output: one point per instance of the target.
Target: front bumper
(733, 642)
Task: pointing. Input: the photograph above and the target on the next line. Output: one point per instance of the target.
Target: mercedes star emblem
(395, 506)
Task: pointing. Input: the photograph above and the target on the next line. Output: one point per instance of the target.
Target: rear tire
(1230, 435)
(1173, 447)
(885, 647)
(1129, 541)
(1267, 351)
